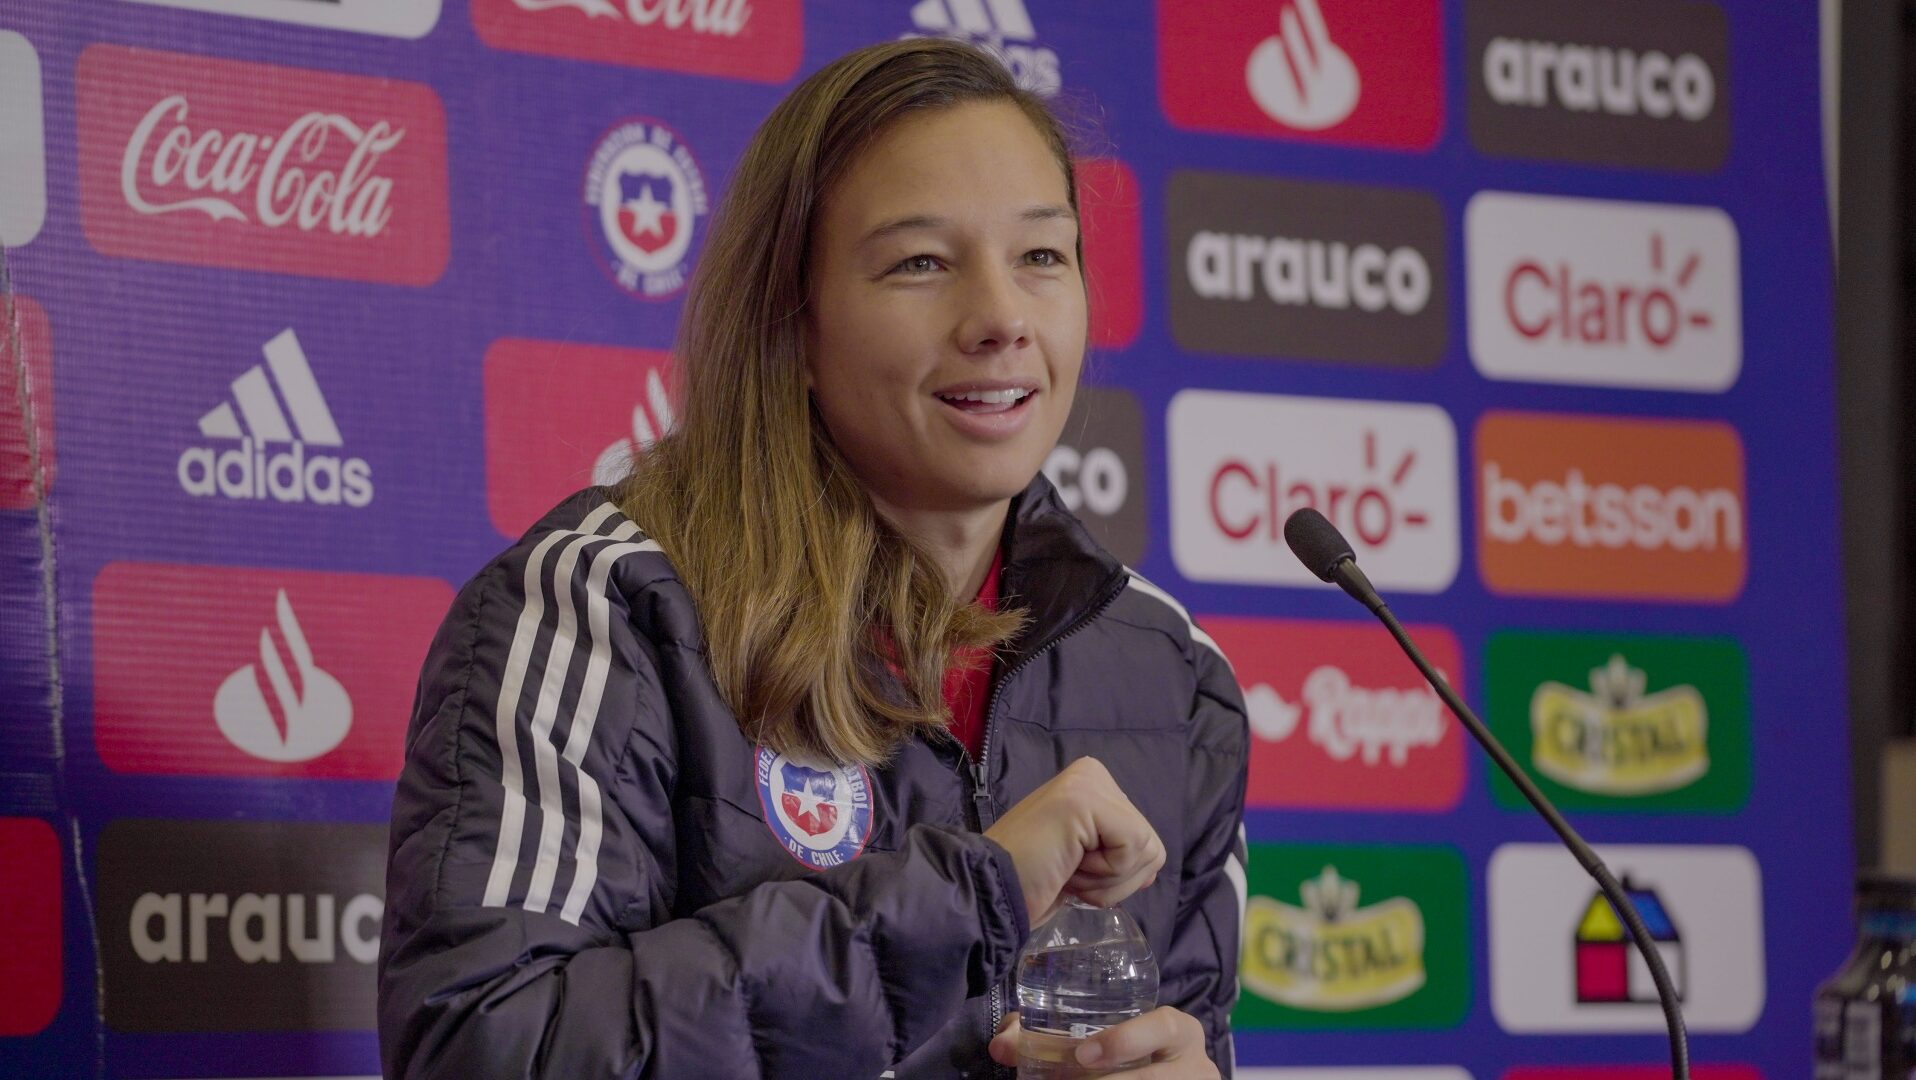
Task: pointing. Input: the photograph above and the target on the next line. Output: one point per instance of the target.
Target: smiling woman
(764, 761)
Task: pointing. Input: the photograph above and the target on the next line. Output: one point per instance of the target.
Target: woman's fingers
(1004, 1045)
(1171, 1040)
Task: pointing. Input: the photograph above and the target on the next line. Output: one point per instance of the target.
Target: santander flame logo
(281, 177)
(616, 459)
(303, 720)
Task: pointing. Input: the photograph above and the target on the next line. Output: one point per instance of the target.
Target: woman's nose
(994, 313)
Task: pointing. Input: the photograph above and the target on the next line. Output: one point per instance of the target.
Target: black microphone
(1325, 552)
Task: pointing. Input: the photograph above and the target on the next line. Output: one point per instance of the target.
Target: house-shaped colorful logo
(1609, 969)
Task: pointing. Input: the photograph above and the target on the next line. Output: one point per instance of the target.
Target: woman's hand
(1078, 834)
(1171, 1040)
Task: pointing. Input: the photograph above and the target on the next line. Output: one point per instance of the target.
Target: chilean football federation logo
(644, 196)
(822, 814)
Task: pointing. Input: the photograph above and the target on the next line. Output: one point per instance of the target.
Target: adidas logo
(295, 474)
(1000, 27)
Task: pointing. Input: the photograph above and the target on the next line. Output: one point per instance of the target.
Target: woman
(723, 771)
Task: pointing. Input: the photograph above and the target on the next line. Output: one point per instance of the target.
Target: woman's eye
(918, 264)
(1049, 257)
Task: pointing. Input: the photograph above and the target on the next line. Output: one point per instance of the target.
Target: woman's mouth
(986, 402)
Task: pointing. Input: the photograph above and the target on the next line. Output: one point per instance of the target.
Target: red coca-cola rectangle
(17, 450)
(755, 40)
(561, 416)
(30, 883)
(192, 159)
(1358, 72)
(1110, 216)
(1340, 719)
(227, 671)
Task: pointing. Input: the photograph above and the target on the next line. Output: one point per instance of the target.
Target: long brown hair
(792, 569)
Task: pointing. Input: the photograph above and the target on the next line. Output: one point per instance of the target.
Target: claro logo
(278, 922)
(562, 416)
(1309, 271)
(1603, 293)
(1383, 472)
(223, 163)
(1610, 507)
(755, 40)
(1098, 469)
(1618, 82)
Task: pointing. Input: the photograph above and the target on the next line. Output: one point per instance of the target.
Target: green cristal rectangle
(1431, 877)
(1515, 664)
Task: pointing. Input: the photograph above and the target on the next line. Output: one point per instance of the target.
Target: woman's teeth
(990, 397)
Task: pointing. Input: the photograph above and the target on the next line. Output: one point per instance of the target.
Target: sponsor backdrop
(311, 307)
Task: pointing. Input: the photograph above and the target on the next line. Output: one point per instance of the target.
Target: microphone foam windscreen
(1316, 542)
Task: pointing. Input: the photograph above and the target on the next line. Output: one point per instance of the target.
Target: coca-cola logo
(1340, 719)
(188, 159)
(756, 40)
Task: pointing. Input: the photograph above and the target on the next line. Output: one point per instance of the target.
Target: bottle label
(1863, 1041)
(1829, 1040)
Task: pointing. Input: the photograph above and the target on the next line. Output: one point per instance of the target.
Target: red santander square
(18, 449)
(1340, 719)
(755, 40)
(233, 671)
(562, 416)
(1355, 72)
(214, 162)
(1110, 213)
(30, 921)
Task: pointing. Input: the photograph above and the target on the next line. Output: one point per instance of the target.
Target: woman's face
(947, 322)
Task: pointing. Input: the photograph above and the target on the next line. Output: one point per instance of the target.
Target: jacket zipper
(980, 769)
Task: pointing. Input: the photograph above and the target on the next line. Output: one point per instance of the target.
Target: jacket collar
(1053, 569)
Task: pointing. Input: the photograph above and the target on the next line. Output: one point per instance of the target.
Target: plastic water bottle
(1084, 970)
(1866, 1012)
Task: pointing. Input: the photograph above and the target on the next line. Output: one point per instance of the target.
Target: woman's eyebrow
(932, 221)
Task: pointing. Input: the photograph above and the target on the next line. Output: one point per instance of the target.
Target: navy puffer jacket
(593, 873)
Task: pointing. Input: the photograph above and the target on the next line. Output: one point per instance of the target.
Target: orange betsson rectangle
(1590, 506)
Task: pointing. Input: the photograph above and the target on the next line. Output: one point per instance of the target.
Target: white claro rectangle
(1384, 472)
(1598, 292)
(388, 18)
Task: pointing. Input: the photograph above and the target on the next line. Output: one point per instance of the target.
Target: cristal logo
(261, 928)
(316, 173)
(1331, 274)
(1000, 27)
(1347, 721)
(302, 720)
(1586, 78)
(1331, 954)
(616, 459)
(254, 469)
(1299, 76)
(1614, 739)
(1383, 472)
(719, 18)
(1248, 499)
(1604, 293)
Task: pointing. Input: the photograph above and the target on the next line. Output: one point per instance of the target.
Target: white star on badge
(646, 212)
(808, 801)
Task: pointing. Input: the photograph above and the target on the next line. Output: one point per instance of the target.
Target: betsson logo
(561, 416)
(224, 163)
(1640, 83)
(1000, 27)
(1357, 72)
(754, 40)
(1340, 719)
(289, 673)
(1383, 472)
(1603, 507)
(255, 469)
(1603, 293)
